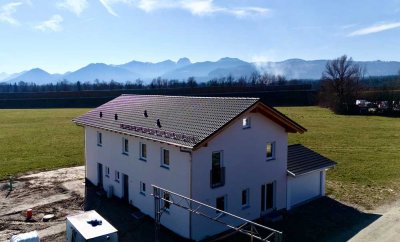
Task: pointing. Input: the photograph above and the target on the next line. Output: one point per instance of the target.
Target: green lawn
(366, 148)
(39, 139)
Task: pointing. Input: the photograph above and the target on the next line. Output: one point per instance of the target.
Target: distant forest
(257, 81)
(274, 90)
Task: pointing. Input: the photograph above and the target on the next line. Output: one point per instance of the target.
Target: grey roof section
(185, 121)
(302, 160)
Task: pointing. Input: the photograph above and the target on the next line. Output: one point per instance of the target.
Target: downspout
(190, 189)
(85, 163)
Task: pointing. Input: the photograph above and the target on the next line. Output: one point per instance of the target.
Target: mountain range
(202, 71)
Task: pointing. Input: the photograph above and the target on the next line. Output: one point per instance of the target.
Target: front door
(99, 175)
(125, 188)
(267, 197)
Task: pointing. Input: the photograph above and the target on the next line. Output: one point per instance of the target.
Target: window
(107, 171)
(117, 176)
(220, 203)
(125, 146)
(216, 159)
(167, 205)
(245, 198)
(246, 123)
(99, 139)
(217, 173)
(164, 157)
(270, 151)
(142, 188)
(143, 151)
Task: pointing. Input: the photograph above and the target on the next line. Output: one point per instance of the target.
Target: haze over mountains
(202, 71)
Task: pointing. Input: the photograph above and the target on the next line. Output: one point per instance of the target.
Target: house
(230, 153)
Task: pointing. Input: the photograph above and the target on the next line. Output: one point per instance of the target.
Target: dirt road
(386, 228)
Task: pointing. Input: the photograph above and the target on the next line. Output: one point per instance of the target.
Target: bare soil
(63, 193)
(44, 193)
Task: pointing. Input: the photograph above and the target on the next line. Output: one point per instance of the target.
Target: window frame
(225, 197)
(117, 176)
(163, 164)
(246, 125)
(167, 205)
(107, 171)
(143, 188)
(125, 146)
(216, 172)
(99, 138)
(221, 158)
(247, 203)
(273, 148)
(141, 157)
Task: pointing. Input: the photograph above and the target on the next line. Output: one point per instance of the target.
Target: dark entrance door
(267, 197)
(125, 187)
(99, 175)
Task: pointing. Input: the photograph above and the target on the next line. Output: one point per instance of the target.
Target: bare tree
(341, 84)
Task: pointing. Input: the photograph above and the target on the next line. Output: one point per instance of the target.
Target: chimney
(158, 123)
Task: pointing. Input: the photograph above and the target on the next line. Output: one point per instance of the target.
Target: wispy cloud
(204, 7)
(375, 29)
(75, 6)
(107, 5)
(195, 7)
(7, 11)
(52, 24)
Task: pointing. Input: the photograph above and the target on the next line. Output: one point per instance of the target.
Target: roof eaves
(283, 118)
(311, 171)
(83, 124)
(291, 173)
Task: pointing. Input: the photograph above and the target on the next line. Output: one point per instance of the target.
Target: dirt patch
(44, 193)
(368, 198)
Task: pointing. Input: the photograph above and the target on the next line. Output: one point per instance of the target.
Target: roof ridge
(205, 97)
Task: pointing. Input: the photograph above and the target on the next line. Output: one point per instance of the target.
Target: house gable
(188, 122)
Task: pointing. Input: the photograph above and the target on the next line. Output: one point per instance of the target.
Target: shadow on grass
(324, 219)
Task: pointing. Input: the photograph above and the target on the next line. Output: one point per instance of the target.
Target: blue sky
(64, 35)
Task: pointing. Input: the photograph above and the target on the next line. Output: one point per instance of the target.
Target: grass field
(39, 139)
(366, 148)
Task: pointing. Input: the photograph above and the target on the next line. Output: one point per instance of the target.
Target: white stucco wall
(244, 159)
(305, 187)
(176, 178)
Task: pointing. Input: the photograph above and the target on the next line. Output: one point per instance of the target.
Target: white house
(230, 153)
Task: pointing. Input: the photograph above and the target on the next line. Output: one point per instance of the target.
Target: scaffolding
(164, 198)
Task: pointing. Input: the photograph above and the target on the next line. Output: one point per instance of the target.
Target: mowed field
(366, 148)
(39, 139)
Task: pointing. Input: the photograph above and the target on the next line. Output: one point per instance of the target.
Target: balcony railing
(217, 177)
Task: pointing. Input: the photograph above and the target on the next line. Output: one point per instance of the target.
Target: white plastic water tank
(90, 226)
(26, 237)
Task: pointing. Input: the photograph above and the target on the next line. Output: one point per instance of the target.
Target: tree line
(255, 80)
